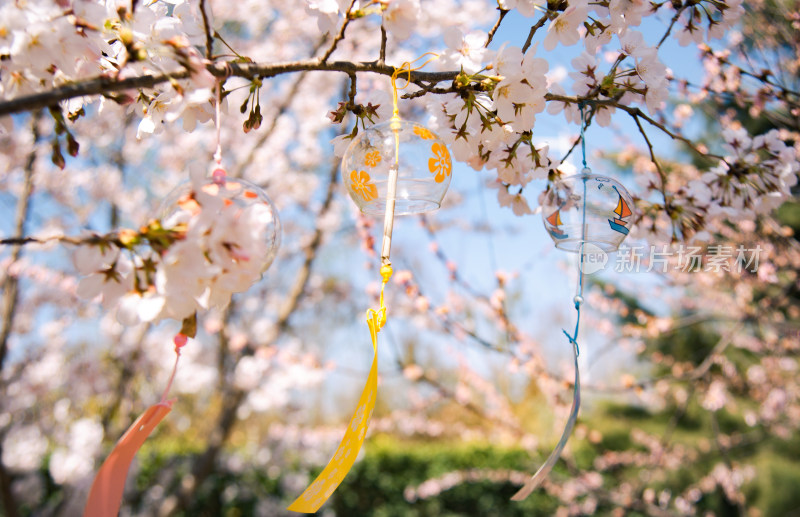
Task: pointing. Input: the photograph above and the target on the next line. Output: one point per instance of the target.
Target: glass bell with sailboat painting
(587, 209)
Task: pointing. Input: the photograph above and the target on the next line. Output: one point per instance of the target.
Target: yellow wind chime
(392, 168)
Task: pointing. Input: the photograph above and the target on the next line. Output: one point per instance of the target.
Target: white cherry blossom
(565, 29)
(401, 17)
(464, 51)
(526, 8)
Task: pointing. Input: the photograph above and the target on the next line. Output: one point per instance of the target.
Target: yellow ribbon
(337, 468)
(342, 461)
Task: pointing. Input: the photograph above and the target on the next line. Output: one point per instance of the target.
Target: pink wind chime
(197, 209)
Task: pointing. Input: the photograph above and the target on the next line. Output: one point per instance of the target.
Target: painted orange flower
(440, 163)
(423, 133)
(360, 183)
(372, 159)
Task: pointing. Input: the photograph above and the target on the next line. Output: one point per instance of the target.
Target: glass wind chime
(392, 168)
(586, 214)
(196, 206)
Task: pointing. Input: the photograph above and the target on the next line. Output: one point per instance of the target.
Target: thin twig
(351, 95)
(763, 78)
(538, 25)
(671, 25)
(340, 36)
(490, 37)
(310, 253)
(127, 366)
(692, 375)
(207, 29)
(695, 375)
(634, 112)
(429, 88)
(662, 176)
(282, 106)
(382, 58)
(572, 148)
(21, 241)
(718, 349)
(447, 393)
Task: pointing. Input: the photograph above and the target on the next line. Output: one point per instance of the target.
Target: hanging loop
(406, 69)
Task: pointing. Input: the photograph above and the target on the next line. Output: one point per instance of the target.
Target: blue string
(579, 297)
(583, 128)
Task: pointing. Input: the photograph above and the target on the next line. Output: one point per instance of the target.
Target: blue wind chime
(590, 215)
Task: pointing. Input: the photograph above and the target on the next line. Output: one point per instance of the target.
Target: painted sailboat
(555, 220)
(622, 211)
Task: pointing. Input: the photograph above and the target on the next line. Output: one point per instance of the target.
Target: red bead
(219, 176)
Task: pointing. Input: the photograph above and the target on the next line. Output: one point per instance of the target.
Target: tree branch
(207, 29)
(9, 502)
(127, 367)
(310, 252)
(634, 112)
(671, 25)
(351, 95)
(538, 25)
(447, 393)
(340, 36)
(661, 175)
(10, 288)
(10, 283)
(382, 58)
(490, 37)
(105, 84)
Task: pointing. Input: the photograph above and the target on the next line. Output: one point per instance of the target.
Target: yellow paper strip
(332, 475)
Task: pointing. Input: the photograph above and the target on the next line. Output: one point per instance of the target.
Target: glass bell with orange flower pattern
(422, 161)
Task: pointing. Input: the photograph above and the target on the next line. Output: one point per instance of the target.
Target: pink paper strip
(105, 496)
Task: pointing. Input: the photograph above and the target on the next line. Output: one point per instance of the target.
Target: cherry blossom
(401, 16)
(525, 7)
(464, 51)
(564, 29)
(270, 347)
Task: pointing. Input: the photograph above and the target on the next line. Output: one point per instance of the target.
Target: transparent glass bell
(423, 168)
(239, 221)
(587, 208)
